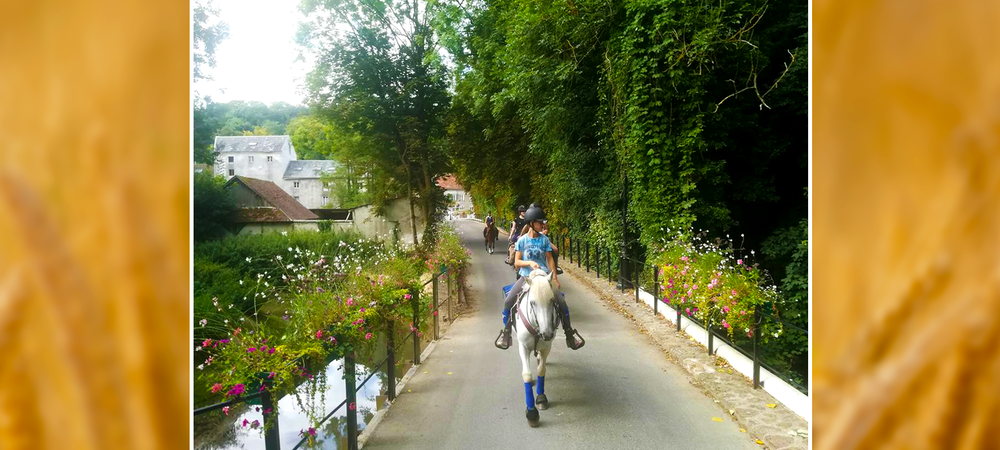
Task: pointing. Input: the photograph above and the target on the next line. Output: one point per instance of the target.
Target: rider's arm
(552, 266)
(518, 262)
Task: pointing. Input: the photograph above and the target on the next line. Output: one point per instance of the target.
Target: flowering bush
(448, 252)
(307, 308)
(711, 282)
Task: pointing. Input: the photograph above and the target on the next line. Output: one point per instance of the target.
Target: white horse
(535, 321)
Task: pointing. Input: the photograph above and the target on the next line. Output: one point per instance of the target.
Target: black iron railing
(271, 434)
(578, 250)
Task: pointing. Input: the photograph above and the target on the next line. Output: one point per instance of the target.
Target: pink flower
(739, 261)
(225, 409)
(270, 351)
(263, 388)
(271, 375)
(407, 297)
(688, 310)
(236, 390)
(666, 300)
(362, 310)
(255, 424)
(435, 313)
(684, 258)
(268, 410)
(350, 301)
(203, 322)
(352, 406)
(319, 334)
(725, 309)
(206, 343)
(216, 388)
(237, 331)
(311, 431)
(368, 336)
(245, 422)
(734, 291)
(724, 324)
(251, 349)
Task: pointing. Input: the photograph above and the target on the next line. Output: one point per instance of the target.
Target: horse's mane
(540, 287)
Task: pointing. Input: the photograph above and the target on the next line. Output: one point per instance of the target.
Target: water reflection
(312, 401)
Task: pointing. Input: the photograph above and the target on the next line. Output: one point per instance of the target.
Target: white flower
(201, 367)
(284, 233)
(279, 257)
(198, 348)
(248, 259)
(225, 321)
(241, 282)
(289, 249)
(203, 322)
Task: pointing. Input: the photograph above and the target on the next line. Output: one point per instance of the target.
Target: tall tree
(378, 74)
(208, 32)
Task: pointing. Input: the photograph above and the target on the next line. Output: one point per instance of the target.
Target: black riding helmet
(534, 213)
(520, 209)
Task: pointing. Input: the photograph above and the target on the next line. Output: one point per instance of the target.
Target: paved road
(617, 392)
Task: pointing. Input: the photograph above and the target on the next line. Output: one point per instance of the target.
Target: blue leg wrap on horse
(541, 385)
(506, 316)
(528, 397)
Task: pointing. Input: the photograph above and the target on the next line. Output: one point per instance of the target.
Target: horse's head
(542, 297)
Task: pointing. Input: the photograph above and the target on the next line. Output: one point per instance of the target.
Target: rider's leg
(573, 338)
(504, 340)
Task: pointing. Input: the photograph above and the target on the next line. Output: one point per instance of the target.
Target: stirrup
(503, 342)
(574, 340)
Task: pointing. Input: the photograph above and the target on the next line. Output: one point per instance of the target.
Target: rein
(529, 328)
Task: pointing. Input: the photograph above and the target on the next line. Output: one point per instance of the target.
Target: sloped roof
(264, 144)
(309, 168)
(449, 182)
(287, 206)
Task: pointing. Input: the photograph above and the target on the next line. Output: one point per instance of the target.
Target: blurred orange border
(94, 254)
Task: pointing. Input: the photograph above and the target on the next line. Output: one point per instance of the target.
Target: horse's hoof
(541, 401)
(532, 415)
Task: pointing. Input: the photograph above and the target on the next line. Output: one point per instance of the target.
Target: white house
(461, 200)
(273, 158)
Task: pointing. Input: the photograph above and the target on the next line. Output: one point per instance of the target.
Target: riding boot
(504, 340)
(573, 338)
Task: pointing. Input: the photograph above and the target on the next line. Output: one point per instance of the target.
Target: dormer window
(232, 158)
(249, 158)
(295, 184)
(270, 158)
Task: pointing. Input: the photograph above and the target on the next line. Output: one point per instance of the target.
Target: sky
(257, 61)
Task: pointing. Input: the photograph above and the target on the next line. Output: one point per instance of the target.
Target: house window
(326, 199)
(232, 172)
(295, 184)
(270, 158)
(249, 158)
(232, 158)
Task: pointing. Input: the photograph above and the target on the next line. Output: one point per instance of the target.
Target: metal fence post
(272, 436)
(756, 357)
(449, 296)
(434, 312)
(570, 252)
(597, 261)
(636, 284)
(607, 252)
(587, 258)
(391, 348)
(352, 399)
(678, 308)
(656, 290)
(711, 336)
(416, 328)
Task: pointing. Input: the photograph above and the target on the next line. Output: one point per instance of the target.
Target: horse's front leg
(531, 413)
(541, 400)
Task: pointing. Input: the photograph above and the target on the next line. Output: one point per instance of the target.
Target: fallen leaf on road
(717, 419)
(426, 371)
(449, 373)
(409, 390)
(772, 405)
(730, 371)
(760, 442)
(732, 412)
(743, 430)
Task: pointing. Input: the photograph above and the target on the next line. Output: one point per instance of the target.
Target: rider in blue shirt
(534, 251)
